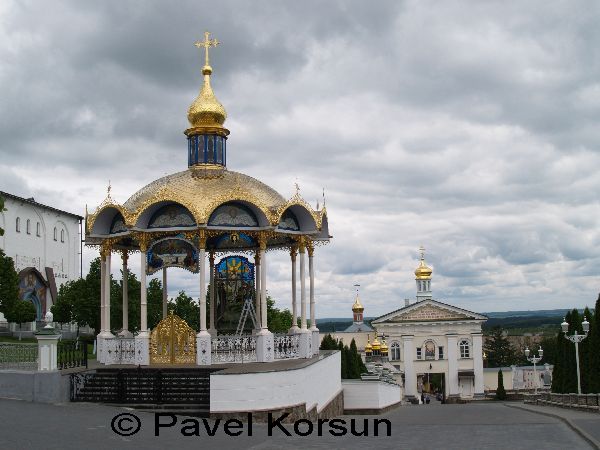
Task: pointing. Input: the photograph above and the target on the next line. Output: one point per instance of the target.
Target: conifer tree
(594, 346)
(9, 283)
(344, 359)
(500, 392)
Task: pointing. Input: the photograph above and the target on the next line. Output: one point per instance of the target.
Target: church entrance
(433, 384)
(173, 341)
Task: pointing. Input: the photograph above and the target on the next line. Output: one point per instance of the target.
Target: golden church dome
(201, 194)
(368, 347)
(384, 348)
(357, 307)
(423, 271)
(376, 344)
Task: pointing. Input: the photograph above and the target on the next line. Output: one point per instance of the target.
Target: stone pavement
(481, 425)
(586, 423)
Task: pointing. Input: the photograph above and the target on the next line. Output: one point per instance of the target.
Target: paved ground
(473, 426)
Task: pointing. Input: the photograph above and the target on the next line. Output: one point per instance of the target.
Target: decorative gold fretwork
(173, 341)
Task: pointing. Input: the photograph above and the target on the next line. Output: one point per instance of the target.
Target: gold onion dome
(206, 111)
(376, 344)
(368, 347)
(384, 347)
(423, 271)
(357, 307)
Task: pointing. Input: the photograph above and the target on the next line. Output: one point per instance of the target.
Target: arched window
(429, 350)
(62, 235)
(18, 225)
(38, 230)
(465, 350)
(395, 348)
(28, 226)
(55, 234)
(210, 150)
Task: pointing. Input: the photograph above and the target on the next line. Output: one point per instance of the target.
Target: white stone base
(295, 329)
(47, 351)
(305, 346)
(203, 349)
(142, 349)
(265, 346)
(316, 342)
(125, 334)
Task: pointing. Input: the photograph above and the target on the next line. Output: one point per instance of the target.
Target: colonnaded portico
(199, 215)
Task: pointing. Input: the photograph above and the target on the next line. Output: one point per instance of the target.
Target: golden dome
(384, 347)
(368, 347)
(202, 190)
(423, 271)
(376, 344)
(357, 307)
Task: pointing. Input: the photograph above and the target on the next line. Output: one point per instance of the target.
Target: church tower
(423, 278)
(357, 311)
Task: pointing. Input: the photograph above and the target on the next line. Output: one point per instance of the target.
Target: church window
(395, 351)
(28, 226)
(55, 234)
(18, 225)
(419, 353)
(62, 235)
(38, 232)
(210, 150)
(220, 150)
(464, 349)
(440, 352)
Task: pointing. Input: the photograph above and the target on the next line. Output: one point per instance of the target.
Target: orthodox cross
(422, 250)
(207, 43)
(108, 189)
(297, 188)
(357, 286)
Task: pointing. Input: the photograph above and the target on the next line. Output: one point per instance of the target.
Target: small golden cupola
(368, 347)
(384, 348)
(206, 136)
(376, 346)
(423, 278)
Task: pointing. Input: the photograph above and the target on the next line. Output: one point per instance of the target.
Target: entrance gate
(173, 341)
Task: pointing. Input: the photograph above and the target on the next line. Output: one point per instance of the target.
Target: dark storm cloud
(469, 127)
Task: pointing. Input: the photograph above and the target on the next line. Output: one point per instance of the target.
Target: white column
(478, 363)
(48, 350)
(311, 290)
(294, 327)
(265, 344)
(143, 294)
(107, 293)
(452, 381)
(410, 375)
(165, 293)
(257, 288)
(102, 272)
(203, 338)
(302, 250)
(212, 329)
(125, 287)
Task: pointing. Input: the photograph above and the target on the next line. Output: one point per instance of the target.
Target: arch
(62, 235)
(166, 214)
(102, 221)
(118, 224)
(28, 226)
(464, 348)
(233, 214)
(33, 288)
(55, 234)
(18, 225)
(395, 351)
(299, 215)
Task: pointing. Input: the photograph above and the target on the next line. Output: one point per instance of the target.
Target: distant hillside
(536, 313)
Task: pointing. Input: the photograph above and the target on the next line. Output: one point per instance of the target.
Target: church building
(437, 346)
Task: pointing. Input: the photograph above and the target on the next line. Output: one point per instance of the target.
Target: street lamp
(534, 360)
(576, 339)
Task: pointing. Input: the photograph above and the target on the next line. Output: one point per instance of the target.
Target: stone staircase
(177, 390)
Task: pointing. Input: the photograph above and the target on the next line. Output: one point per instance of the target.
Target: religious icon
(429, 350)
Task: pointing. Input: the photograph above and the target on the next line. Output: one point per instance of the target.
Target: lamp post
(576, 339)
(534, 360)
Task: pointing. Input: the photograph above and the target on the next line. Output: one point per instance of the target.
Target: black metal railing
(72, 354)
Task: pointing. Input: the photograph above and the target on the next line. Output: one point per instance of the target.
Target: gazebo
(203, 213)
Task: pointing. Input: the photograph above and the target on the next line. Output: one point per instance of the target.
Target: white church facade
(45, 245)
(429, 339)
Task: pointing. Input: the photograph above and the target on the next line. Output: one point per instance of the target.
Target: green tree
(344, 359)
(155, 299)
(355, 364)
(21, 312)
(185, 307)
(278, 321)
(500, 392)
(585, 351)
(9, 283)
(328, 343)
(500, 352)
(594, 345)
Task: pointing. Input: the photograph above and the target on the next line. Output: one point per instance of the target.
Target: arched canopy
(109, 220)
(297, 218)
(166, 214)
(237, 214)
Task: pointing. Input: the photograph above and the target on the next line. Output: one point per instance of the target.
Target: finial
(357, 286)
(108, 189)
(323, 197)
(297, 187)
(317, 205)
(422, 250)
(207, 43)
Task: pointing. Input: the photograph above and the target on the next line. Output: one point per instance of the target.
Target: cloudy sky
(468, 127)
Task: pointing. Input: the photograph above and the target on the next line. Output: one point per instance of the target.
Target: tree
(594, 345)
(500, 392)
(500, 352)
(22, 311)
(355, 363)
(328, 343)
(278, 321)
(155, 298)
(9, 283)
(184, 306)
(343, 350)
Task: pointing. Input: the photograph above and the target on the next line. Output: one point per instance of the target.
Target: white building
(429, 338)
(45, 245)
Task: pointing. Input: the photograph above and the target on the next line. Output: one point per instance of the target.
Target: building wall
(359, 394)
(31, 250)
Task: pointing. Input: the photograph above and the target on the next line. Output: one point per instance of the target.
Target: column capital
(143, 240)
(257, 257)
(310, 247)
(202, 239)
(262, 240)
(301, 244)
(105, 249)
(293, 251)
